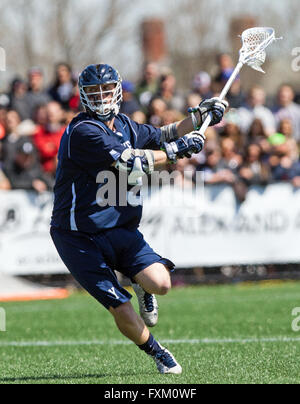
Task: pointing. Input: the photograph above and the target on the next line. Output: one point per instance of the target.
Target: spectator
(4, 182)
(258, 135)
(15, 131)
(253, 171)
(235, 96)
(239, 149)
(168, 92)
(74, 103)
(281, 161)
(171, 116)
(4, 100)
(3, 113)
(213, 169)
(25, 172)
(232, 129)
(225, 65)
(286, 128)
(129, 104)
(47, 137)
(256, 131)
(40, 116)
(157, 107)
(148, 86)
(202, 85)
(183, 174)
(295, 175)
(63, 89)
(231, 160)
(287, 109)
(192, 100)
(36, 95)
(255, 108)
(18, 98)
(13, 120)
(139, 117)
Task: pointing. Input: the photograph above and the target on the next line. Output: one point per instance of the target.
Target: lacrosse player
(93, 241)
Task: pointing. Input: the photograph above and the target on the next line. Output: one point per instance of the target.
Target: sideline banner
(204, 228)
(211, 229)
(26, 247)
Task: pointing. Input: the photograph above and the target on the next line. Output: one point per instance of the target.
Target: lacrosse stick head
(255, 41)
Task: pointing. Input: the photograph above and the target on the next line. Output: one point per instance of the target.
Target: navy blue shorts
(92, 260)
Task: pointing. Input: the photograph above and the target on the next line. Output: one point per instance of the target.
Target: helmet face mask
(101, 91)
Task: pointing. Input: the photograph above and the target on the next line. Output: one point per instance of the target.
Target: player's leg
(83, 257)
(130, 324)
(134, 328)
(149, 272)
(155, 279)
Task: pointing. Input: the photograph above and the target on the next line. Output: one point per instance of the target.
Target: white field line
(4, 344)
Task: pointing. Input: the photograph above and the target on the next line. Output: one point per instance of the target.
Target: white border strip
(72, 212)
(4, 344)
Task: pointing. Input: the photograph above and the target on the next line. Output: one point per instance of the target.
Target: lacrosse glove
(215, 107)
(186, 146)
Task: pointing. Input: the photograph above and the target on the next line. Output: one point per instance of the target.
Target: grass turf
(240, 313)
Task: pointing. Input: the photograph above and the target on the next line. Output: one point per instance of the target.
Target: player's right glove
(215, 107)
(186, 146)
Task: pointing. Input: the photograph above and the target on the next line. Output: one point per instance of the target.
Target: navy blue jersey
(88, 148)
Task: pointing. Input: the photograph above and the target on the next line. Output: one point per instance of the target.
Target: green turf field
(219, 334)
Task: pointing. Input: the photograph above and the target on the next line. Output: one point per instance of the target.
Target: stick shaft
(223, 94)
(231, 80)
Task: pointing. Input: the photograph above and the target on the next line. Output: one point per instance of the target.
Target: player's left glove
(186, 146)
(136, 163)
(215, 107)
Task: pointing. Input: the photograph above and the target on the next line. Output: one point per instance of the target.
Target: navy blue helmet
(100, 88)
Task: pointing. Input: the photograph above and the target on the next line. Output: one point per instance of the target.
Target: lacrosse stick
(252, 53)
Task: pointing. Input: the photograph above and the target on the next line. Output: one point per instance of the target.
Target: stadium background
(243, 225)
(170, 58)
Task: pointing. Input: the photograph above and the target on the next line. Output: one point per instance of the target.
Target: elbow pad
(136, 163)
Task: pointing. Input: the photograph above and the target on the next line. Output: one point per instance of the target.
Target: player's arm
(183, 139)
(214, 107)
(178, 140)
(160, 159)
(138, 162)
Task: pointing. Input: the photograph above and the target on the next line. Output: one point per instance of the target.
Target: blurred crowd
(257, 142)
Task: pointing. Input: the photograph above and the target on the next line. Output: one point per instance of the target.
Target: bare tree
(80, 38)
(80, 32)
(43, 33)
(196, 34)
(198, 30)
